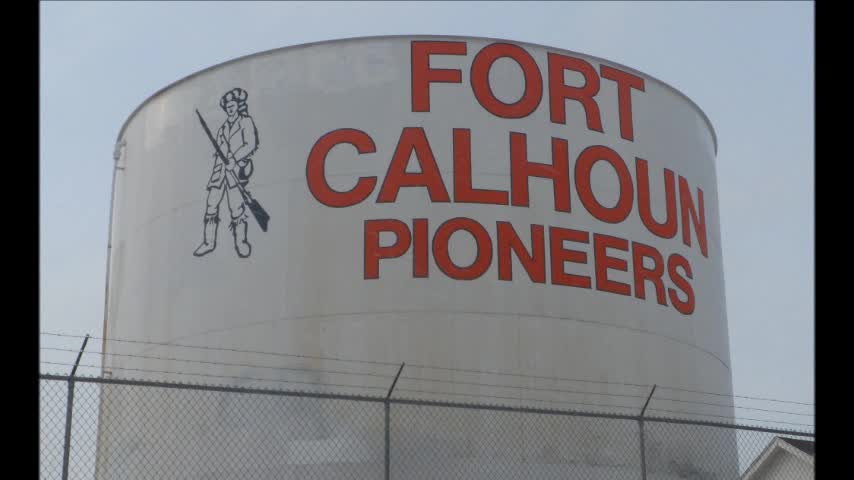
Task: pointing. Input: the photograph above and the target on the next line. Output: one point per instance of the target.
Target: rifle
(257, 210)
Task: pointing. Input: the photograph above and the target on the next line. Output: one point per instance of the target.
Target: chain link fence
(130, 429)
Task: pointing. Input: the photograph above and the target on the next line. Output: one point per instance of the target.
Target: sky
(749, 66)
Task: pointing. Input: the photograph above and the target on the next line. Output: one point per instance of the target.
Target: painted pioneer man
(238, 140)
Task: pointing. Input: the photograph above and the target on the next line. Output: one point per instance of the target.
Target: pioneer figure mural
(235, 143)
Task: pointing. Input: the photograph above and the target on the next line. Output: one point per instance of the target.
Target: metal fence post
(387, 405)
(66, 448)
(642, 451)
(640, 425)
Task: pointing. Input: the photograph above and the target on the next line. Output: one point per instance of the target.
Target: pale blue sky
(749, 66)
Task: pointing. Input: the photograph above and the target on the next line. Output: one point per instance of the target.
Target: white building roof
(779, 451)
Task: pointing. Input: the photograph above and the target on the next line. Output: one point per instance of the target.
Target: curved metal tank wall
(343, 129)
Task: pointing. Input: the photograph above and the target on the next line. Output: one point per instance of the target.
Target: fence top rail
(212, 388)
(414, 402)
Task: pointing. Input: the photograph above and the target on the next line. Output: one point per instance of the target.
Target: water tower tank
(470, 204)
